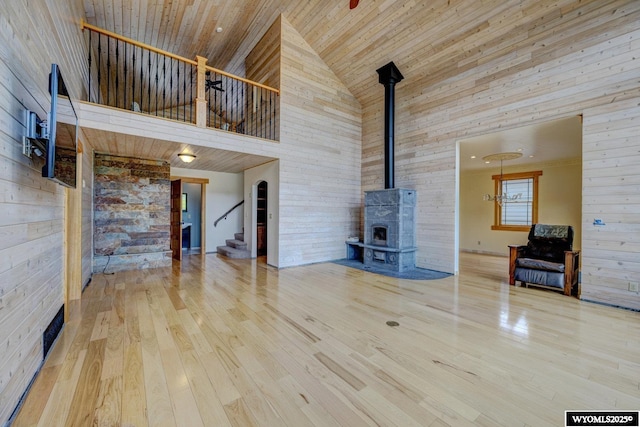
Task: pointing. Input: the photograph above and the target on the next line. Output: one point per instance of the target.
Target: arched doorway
(261, 219)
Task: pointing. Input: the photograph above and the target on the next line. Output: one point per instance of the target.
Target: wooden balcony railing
(127, 74)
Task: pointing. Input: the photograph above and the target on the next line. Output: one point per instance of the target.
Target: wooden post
(201, 101)
(571, 270)
(514, 252)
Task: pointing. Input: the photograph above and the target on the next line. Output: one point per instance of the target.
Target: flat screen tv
(61, 147)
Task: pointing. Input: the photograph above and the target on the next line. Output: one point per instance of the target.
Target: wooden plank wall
(611, 192)
(553, 63)
(31, 223)
(320, 144)
(263, 65)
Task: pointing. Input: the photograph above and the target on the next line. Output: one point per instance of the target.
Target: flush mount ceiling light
(187, 157)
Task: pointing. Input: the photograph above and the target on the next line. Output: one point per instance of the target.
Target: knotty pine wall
(320, 145)
(32, 208)
(552, 63)
(611, 192)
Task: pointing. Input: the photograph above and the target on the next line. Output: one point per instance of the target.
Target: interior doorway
(261, 218)
(176, 219)
(191, 218)
(181, 228)
(554, 148)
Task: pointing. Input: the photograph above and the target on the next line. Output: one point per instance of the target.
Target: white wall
(559, 198)
(269, 173)
(223, 192)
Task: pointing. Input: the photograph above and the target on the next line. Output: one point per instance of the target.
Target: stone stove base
(389, 229)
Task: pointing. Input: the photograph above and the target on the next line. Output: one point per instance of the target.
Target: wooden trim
(72, 258)
(190, 180)
(176, 219)
(512, 227)
(136, 43)
(497, 208)
(203, 206)
(217, 71)
(203, 217)
(534, 208)
(517, 175)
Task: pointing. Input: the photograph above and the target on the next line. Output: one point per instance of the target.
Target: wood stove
(389, 229)
(389, 214)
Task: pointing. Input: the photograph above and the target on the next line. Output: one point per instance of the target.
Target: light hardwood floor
(217, 342)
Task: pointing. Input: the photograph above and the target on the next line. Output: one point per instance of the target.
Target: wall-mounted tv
(61, 147)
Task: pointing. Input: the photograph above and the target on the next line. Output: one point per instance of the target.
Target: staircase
(235, 248)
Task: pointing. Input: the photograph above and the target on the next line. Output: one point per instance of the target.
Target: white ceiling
(552, 141)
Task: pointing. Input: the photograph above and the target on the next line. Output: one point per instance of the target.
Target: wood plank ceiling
(149, 148)
(430, 41)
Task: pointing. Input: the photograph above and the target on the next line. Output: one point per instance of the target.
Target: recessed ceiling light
(473, 157)
(519, 149)
(531, 156)
(487, 161)
(219, 30)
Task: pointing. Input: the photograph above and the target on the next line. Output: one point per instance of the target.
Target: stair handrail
(224, 216)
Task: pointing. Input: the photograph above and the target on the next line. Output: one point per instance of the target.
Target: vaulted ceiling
(431, 42)
(424, 38)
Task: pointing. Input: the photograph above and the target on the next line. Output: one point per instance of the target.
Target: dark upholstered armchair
(548, 259)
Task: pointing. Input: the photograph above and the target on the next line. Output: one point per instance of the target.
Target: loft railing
(127, 74)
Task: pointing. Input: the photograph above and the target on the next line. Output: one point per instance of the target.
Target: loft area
(130, 75)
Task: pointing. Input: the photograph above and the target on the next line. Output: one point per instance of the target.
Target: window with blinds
(517, 209)
(517, 206)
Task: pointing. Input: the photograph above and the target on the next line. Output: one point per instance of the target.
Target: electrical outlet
(633, 286)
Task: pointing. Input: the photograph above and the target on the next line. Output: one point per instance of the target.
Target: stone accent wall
(131, 213)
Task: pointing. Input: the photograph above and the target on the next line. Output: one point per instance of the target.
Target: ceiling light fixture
(187, 157)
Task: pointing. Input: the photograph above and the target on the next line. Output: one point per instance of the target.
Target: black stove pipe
(389, 75)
